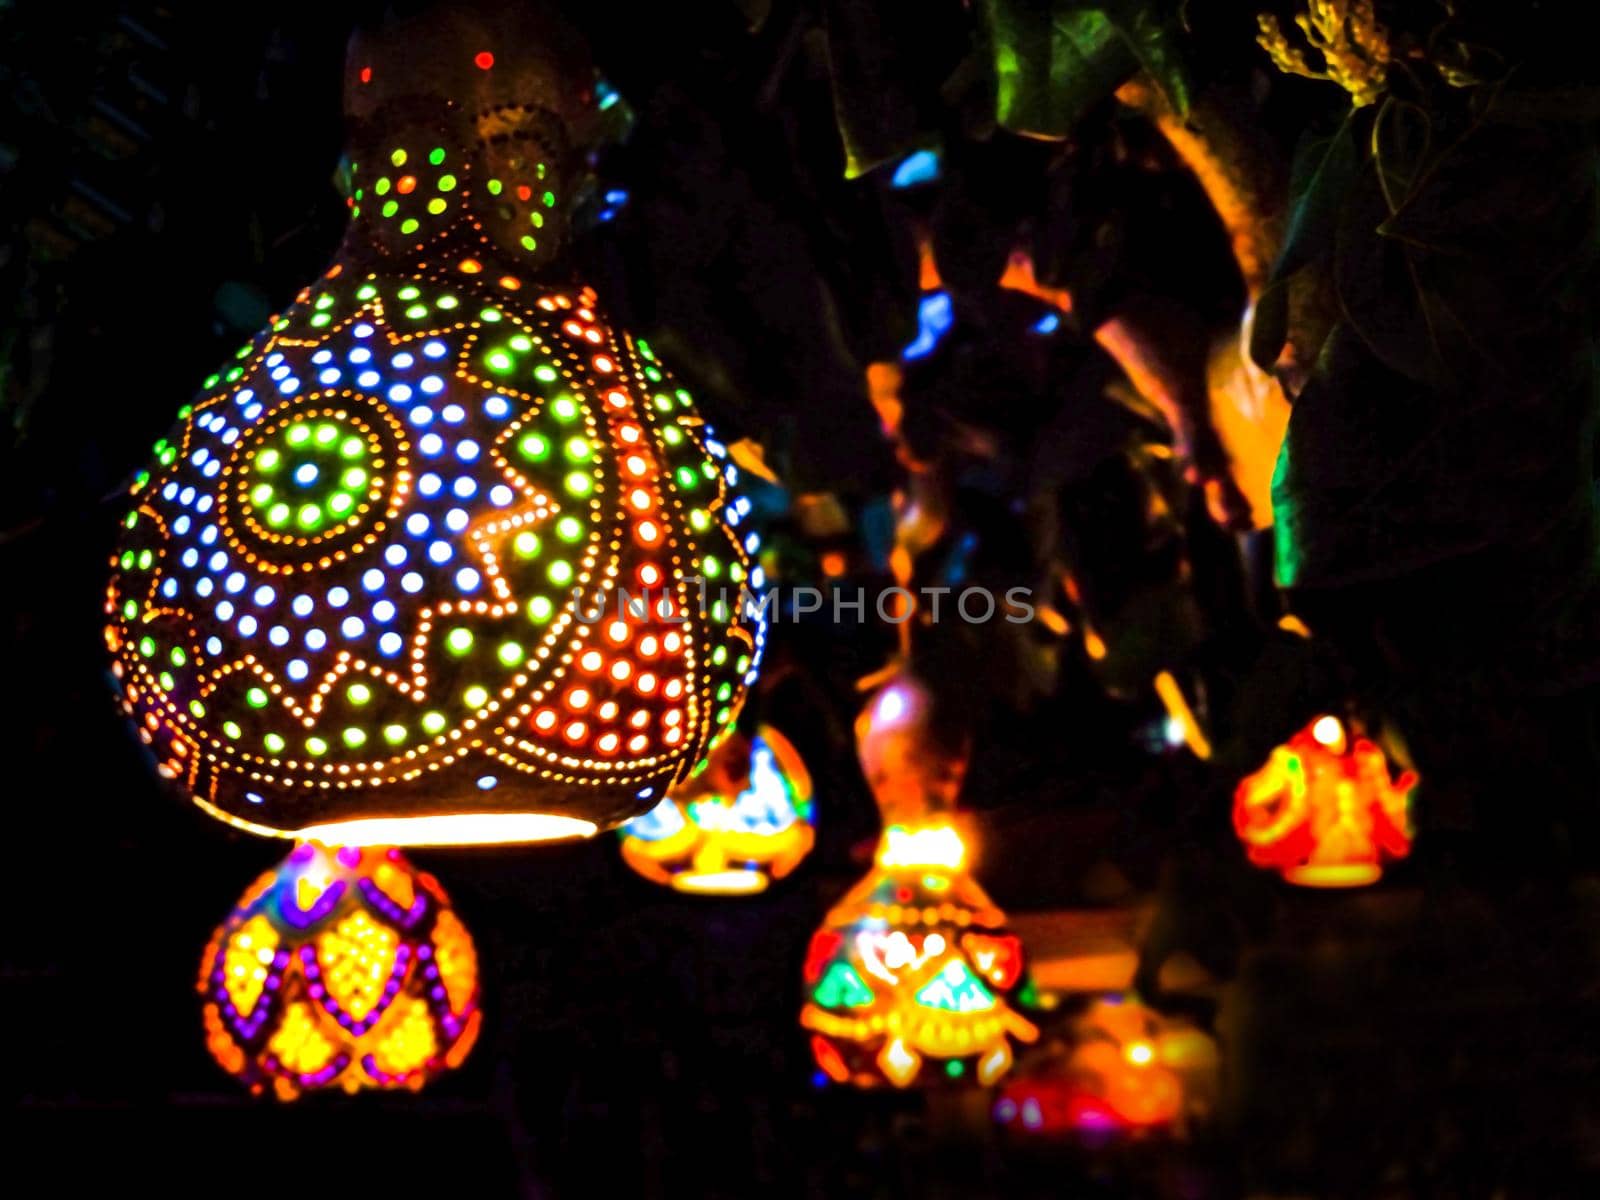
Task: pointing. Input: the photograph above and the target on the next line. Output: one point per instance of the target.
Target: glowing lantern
(1323, 811)
(1123, 1067)
(743, 822)
(341, 968)
(909, 974)
(422, 563)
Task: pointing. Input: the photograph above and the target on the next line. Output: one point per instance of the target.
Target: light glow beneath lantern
(451, 829)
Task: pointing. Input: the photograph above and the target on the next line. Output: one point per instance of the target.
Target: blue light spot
(435, 349)
(338, 597)
(1048, 323)
(352, 627)
(456, 519)
(395, 556)
(465, 488)
(411, 582)
(400, 393)
(421, 415)
(302, 606)
(225, 611)
(372, 580)
(431, 444)
(278, 635)
(500, 495)
(247, 626)
(467, 451)
(921, 166)
(368, 379)
(305, 474)
(486, 783)
(390, 644)
(497, 407)
(297, 669)
(440, 552)
(432, 385)
(315, 639)
(403, 360)
(360, 355)
(328, 377)
(935, 316)
(430, 484)
(383, 612)
(468, 579)
(417, 524)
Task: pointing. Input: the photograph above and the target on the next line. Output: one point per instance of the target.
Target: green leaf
(1153, 37)
(1322, 177)
(1052, 63)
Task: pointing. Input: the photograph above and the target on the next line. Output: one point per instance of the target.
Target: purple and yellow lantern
(340, 968)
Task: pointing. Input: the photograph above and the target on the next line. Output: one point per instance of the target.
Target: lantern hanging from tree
(908, 977)
(743, 822)
(423, 563)
(344, 969)
(1323, 811)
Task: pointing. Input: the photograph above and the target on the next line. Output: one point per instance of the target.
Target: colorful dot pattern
(431, 544)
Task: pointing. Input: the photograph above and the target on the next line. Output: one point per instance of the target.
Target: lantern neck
(429, 185)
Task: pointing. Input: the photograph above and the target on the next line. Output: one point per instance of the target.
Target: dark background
(167, 181)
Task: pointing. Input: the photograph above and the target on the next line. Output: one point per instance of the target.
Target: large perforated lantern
(908, 978)
(422, 564)
(1323, 811)
(733, 829)
(340, 969)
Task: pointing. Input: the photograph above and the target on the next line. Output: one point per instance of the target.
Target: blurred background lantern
(1119, 1066)
(914, 964)
(743, 822)
(415, 567)
(1323, 810)
(342, 968)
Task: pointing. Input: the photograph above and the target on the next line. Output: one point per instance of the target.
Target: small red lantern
(1323, 810)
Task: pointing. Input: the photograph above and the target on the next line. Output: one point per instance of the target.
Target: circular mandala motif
(314, 481)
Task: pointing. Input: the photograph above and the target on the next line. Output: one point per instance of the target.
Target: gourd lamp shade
(340, 969)
(1323, 810)
(908, 978)
(733, 829)
(421, 564)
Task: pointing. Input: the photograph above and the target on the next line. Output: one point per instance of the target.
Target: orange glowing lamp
(1323, 810)
(909, 976)
(341, 968)
(743, 822)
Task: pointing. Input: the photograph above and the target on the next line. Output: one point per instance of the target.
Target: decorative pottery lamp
(420, 566)
(341, 968)
(1323, 810)
(743, 822)
(908, 977)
